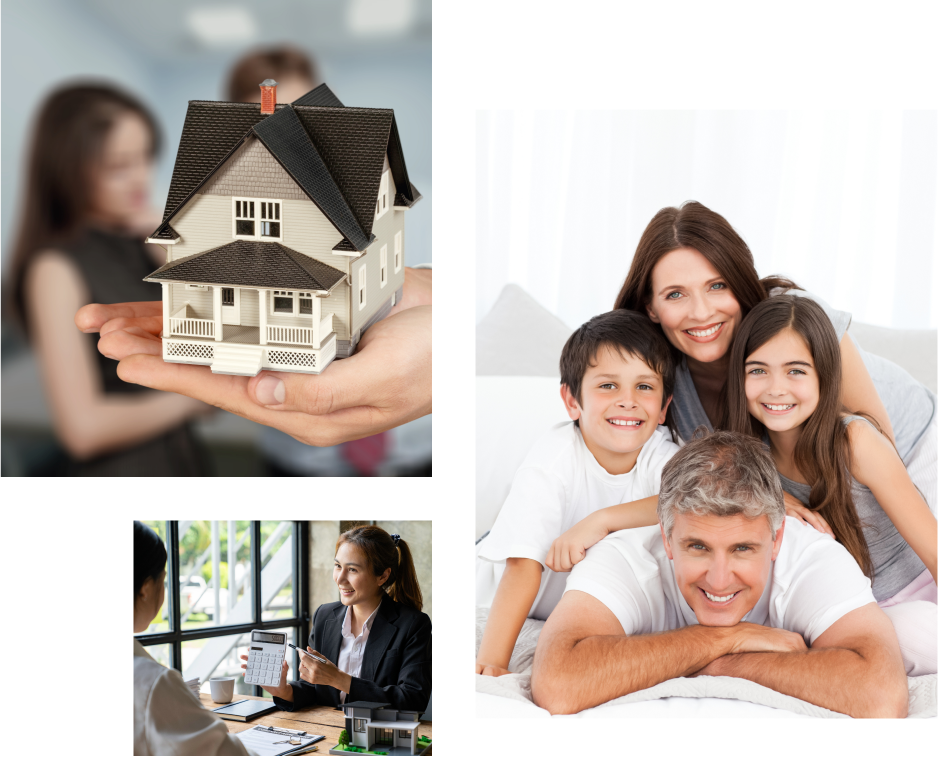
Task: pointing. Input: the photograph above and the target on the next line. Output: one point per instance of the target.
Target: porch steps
(237, 359)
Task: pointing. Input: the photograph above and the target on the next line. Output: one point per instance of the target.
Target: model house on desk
(284, 232)
(371, 727)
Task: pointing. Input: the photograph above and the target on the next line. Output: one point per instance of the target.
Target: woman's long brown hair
(822, 453)
(382, 551)
(68, 136)
(695, 226)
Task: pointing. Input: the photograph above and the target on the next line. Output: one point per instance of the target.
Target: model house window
(384, 266)
(306, 303)
(398, 251)
(359, 725)
(227, 296)
(255, 218)
(403, 735)
(361, 288)
(381, 206)
(291, 303)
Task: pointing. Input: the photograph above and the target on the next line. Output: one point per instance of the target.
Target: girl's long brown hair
(383, 551)
(68, 135)
(695, 226)
(822, 453)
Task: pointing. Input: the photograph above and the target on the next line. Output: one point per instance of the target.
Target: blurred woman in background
(86, 213)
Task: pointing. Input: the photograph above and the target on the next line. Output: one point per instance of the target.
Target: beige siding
(253, 172)
(199, 300)
(203, 224)
(249, 314)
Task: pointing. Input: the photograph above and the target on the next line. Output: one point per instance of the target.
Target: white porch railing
(181, 323)
(289, 335)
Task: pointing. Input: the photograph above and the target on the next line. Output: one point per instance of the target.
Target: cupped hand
(491, 670)
(797, 510)
(323, 673)
(283, 690)
(570, 547)
(386, 383)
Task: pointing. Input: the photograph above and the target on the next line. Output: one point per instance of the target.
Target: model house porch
(238, 326)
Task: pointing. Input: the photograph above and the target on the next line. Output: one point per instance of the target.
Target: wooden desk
(322, 721)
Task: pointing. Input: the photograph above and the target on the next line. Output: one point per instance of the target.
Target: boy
(617, 375)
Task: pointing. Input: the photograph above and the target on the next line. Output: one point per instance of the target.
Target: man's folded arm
(584, 658)
(854, 667)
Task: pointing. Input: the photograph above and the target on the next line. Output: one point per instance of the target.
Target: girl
(375, 638)
(784, 384)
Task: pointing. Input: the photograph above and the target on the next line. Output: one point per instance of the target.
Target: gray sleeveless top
(895, 564)
(910, 405)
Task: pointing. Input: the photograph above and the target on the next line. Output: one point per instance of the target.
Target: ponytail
(382, 551)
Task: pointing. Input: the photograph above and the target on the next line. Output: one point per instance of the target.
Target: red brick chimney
(268, 96)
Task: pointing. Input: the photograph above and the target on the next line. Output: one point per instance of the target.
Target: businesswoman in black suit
(375, 638)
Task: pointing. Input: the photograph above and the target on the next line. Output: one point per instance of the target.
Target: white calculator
(265, 658)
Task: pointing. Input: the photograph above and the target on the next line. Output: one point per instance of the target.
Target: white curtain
(843, 203)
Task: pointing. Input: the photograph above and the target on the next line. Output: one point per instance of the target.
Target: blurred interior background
(371, 53)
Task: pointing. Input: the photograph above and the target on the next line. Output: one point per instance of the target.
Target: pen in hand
(317, 658)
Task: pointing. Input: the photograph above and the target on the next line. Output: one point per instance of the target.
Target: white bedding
(706, 696)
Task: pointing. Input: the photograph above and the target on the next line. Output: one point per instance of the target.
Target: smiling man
(724, 586)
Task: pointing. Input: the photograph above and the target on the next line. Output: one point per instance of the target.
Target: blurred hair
(625, 331)
(695, 226)
(149, 555)
(68, 137)
(822, 452)
(382, 552)
(724, 474)
(267, 63)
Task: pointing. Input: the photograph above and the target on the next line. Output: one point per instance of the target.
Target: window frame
(299, 622)
(382, 205)
(383, 269)
(297, 297)
(398, 251)
(257, 218)
(362, 288)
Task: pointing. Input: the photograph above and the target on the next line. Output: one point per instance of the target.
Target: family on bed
(794, 546)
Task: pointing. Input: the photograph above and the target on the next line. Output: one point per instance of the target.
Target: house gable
(253, 172)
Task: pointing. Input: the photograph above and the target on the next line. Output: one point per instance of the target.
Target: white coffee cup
(222, 689)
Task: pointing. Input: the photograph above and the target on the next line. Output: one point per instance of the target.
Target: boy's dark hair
(626, 331)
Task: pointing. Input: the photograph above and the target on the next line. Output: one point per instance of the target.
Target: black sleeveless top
(113, 267)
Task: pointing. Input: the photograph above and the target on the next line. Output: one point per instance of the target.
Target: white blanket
(922, 690)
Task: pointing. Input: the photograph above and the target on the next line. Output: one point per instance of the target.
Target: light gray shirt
(895, 564)
(909, 404)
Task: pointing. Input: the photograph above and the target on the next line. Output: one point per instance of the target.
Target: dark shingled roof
(251, 264)
(165, 232)
(336, 156)
(369, 705)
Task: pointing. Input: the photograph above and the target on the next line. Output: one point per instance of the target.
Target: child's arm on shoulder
(875, 463)
(570, 547)
(514, 598)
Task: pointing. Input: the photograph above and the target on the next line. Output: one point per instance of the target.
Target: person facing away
(168, 717)
(784, 387)
(374, 643)
(716, 590)
(616, 374)
(85, 215)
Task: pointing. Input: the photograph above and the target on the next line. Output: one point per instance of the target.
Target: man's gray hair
(723, 473)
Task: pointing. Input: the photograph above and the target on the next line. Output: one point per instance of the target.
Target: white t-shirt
(814, 583)
(559, 484)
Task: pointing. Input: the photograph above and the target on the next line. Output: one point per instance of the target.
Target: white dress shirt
(168, 717)
(352, 650)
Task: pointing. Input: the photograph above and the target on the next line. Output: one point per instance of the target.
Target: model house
(283, 231)
(374, 727)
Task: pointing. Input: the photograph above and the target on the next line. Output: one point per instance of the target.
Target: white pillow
(511, 413)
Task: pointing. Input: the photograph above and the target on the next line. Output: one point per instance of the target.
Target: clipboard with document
(267, 740)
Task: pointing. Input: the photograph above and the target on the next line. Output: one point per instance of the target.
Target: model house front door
(231, 305)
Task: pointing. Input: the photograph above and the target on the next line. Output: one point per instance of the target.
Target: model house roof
(368, 705)
(252, 264)
(335, 154)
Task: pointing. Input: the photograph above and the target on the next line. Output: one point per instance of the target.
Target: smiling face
(121, 177)
(353, 575)
(693, 303)
(722, 563)
(782, 387)
(622, 403)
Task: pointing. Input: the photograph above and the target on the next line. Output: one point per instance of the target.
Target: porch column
(317, 317)
(166, 307)
(262, 312)
(216, 312)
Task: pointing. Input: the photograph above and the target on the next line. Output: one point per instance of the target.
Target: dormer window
(383, 203)
(256, 218)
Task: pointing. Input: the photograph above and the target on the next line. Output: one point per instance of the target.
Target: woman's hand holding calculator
(284, 690)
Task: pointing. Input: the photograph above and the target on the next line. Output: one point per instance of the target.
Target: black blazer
(395, 668)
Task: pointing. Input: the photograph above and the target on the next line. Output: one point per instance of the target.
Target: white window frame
(360, 725)
(197, 287)
(297, 297)
(276, 206)
(398, 251)
(383, 204)
(362, 288)
(384, 266)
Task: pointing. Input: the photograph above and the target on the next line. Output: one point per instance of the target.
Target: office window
(162, 622)
(212, 570)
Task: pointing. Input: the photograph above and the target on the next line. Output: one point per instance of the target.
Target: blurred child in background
(86, 212)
